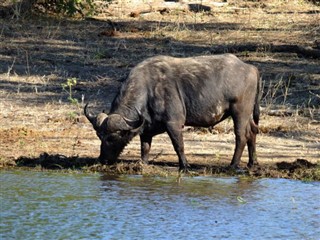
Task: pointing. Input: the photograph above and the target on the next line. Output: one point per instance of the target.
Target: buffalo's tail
(256, 108)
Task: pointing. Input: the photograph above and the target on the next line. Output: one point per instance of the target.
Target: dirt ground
(42, 125)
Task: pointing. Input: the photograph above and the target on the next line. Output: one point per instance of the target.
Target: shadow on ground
(45, 52)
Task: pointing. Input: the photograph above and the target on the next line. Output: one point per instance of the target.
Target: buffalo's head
(115, 132)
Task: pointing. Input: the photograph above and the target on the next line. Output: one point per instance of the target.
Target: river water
(50, 205)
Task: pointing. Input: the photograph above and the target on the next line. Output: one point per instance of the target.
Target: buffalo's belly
(206, 119)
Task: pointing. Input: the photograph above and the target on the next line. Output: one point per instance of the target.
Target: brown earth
(41, 128)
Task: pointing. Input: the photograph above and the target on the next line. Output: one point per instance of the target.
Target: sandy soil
(38, 55)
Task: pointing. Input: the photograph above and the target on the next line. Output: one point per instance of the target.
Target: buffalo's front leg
(103, 155)
(240, 144)
(174, 131)
(145, 147)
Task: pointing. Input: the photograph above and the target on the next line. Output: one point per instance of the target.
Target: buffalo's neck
(133, 98)
(129, 103)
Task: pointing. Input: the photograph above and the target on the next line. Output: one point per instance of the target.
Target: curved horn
(117, 122)
(91, 118)
(133, 124)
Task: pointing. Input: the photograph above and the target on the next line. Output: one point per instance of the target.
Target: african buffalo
(164, 94)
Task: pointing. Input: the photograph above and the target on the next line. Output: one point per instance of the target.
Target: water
(47, 205)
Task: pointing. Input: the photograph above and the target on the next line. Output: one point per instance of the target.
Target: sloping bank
(300, 169)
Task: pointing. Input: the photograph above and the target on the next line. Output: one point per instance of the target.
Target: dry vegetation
(42, 125)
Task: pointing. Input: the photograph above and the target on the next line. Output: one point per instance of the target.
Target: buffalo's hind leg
(241, 120)
(251, 135)
(174, 131)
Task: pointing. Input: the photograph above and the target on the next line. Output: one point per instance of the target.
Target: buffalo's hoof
(236, 169)
(233, 167)
(144, 161)
(102, 162)
(111, 162)
(251, 165)
(107, 162)
(183, 169)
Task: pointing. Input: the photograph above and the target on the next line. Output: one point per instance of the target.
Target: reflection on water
(80, 206)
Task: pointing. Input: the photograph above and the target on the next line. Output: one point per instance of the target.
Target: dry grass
(38, 55)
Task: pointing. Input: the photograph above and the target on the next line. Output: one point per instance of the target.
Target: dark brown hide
(163, 94)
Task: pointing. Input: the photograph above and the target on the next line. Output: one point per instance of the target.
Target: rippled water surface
(47, 205)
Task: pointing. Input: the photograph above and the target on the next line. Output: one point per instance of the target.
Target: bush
(69, 8)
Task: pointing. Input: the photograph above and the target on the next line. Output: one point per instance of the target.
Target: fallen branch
(165, 7)
(281, 112)
(300, 50)
(314, 94)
